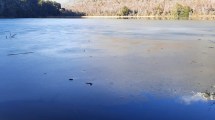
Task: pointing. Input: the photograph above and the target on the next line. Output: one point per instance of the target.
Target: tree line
(144, 7)
(32, 8)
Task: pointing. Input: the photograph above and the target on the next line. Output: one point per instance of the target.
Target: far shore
(194, 17)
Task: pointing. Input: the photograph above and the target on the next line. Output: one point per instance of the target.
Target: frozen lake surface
(101, 69)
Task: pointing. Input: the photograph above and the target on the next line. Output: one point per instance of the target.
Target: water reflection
(199, 97)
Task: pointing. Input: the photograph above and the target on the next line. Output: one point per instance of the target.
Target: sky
(62, 1)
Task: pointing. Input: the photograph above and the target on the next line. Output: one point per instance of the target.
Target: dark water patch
(24, 53)
(153, 108)
(89, 83)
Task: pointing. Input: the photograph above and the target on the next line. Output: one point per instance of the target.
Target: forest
(32, 8)
(144, 7)
(48, 8)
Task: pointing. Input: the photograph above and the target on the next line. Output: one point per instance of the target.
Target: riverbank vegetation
(32, 8)
(176, 8)
(152, 8)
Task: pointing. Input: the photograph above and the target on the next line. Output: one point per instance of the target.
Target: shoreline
(194, 17)
(156, 17)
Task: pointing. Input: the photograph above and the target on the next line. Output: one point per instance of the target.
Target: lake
(102, 69)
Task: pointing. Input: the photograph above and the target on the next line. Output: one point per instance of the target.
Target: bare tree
(141, 7)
